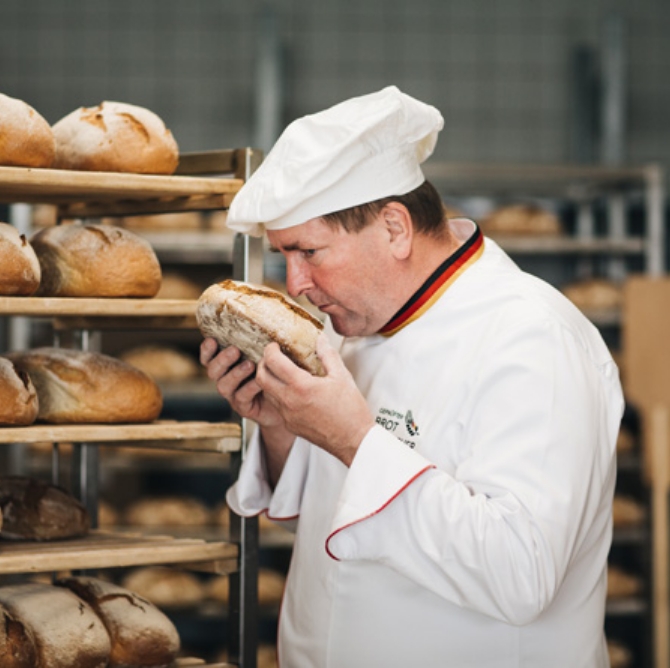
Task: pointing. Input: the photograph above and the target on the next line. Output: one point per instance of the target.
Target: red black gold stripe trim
(437, 283)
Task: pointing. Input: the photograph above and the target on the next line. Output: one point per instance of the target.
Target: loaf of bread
(627, 511)
(115, 137)
(95, 261)
(36, 510)
(521, 219)
(250, 317)
(18, 397)
(26, 139)
(140, 634)
(165, 587)
(19, 267)
(271, 585)
(165, 511)
(621, 583)
(177, 286)
(75, 386)
(162, 362)
(594, 293)
(17, 642)
(67, 631)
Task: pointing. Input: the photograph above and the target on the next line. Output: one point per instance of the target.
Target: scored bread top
(250, 317)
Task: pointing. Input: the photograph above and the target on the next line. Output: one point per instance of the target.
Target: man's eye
(308, 252)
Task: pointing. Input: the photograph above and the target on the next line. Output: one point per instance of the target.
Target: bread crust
(95, 261)
(20, 272)
(26, 139)
(18, 397)
(115, 137)
(250, 317)
(67, 631)
(75, 386)
(35, 510)
(17, 642)
(140, 634)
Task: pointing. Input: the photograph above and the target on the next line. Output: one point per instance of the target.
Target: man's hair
(423, 203)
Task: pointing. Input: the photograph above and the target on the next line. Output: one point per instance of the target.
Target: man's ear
(399, 227)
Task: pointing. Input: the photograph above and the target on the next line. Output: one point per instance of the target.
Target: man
(450, 479)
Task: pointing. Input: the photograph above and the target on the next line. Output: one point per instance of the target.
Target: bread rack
(204, 181)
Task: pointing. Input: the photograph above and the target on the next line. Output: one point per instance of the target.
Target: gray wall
(501, 71)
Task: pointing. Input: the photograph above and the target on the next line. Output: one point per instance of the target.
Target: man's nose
(298, 278)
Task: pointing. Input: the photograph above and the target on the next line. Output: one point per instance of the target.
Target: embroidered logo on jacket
(401, 425)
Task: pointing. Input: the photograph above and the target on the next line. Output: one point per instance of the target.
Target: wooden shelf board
(164, 434)
(84, 306)
(102, 549)
(56, 186)
(560, 245)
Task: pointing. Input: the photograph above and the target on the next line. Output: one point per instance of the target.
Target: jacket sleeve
(498, 533)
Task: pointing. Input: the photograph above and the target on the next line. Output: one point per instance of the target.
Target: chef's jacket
(474, 524)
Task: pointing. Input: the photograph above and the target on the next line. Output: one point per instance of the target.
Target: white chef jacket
(474, 524)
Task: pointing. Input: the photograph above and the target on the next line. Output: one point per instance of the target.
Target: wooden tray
(165, 434)
(81, 194)
(104, 549)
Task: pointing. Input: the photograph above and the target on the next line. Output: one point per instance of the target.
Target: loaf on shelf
(36, 510)
(75, 386)
(18, 397)
(26, 138)
(594, 293)
(165, 587)
(20, 272)
(163, 363)
(79, 260)
(167, 511)
(521, 219)
(115, 137)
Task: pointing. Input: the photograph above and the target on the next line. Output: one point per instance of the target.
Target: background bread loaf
(68, 633)
(115, 137)
(140, 634)
(19, 267)
(18, 397)
(95, 261)
(75, 386)
(26, 139)
(35, 510)
(17, 642)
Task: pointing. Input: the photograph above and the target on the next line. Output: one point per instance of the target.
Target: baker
(450, 479)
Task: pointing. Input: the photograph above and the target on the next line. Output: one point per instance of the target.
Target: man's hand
(329, 411)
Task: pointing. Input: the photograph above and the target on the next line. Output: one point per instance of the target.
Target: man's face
(345, 275)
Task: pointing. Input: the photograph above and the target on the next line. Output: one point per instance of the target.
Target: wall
(499, 70)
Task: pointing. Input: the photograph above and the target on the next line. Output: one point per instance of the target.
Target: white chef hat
(358, 151)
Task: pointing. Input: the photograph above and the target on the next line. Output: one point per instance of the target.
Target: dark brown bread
(35, 510)
(17, 643)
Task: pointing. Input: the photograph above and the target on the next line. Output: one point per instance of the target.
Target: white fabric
(473, 526)
(360, 150)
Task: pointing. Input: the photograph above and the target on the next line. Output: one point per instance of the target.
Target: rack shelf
(103, 549)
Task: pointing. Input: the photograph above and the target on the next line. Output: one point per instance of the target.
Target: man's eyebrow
(290, 247)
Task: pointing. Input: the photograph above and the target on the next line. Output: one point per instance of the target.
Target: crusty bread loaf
(18, 397)
(140, 634)
(250, 317)
(594, 293)
(19, 267)
(165, 587)
(162, 362)
(115, 137)
(35, 510)
(17, 642)
(26, 139)
(167, 511)
(95, 261)
(521, 219)
(177, 286)
(76, 386)
(67, 631)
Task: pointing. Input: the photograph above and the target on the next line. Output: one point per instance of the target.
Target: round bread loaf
(521, 219)
(26, 139)
(18, 397)
(95, 261)
(250, 317)
(140, 634)
(35, 510)
(594, 293)
(75, 386)
(167, 511)
(165, 587)
(17, 643)
(19, 267)
(162, 363)
(67, 632)
(115, 137)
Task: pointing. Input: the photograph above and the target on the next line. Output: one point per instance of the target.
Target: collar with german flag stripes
(437, 283)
